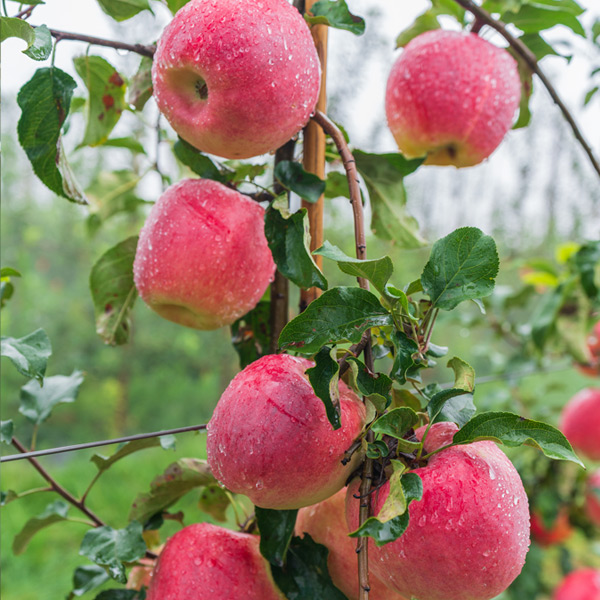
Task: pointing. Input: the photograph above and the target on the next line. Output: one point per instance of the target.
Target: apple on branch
(202, 259)
(467, 537)
(580, 422)
(236, 78)
(451, 96)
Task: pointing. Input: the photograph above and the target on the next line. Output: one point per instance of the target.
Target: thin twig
(25, 13)
(530, 59)
(129, 438)
(137, 48)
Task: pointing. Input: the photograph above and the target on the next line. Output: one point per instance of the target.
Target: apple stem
(531, 61)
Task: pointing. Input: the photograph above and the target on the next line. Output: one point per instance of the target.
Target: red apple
(202, 259)
(326, 524)
(592, 498)
(269, 437)
(580, 422)
(206, 562)
(582, 584)
(451, 96)
(468, 536)
(592, 367)
(558, 532)
(236, 78)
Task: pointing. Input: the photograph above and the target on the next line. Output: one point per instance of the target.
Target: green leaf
(305, 575)
(325, 379)
(251, 334)
(289, 240)
(589, 95)
(9, 272)
(38, 39)
(376, 387)
(29, 354)
(9, 496)
(6, 431)
(397, 422)
(335, 13)
(540, 47)
(462, 266)
(139, 90)
(425, 22)
(41, 48)
(383, 175)
(121, 10)
(538, 15)
(336, 185)
(175, 5)
(110, 548)
(178, 479)
(276, 530)
(392, 520)
(244, 171)
(464, 374)
(378, 270)
(87, 578)
(103, 463)
(292, 176)
(53, 513)
(453, 405)
(197, 162)
(106, 97)
(405, 366)
(44, 101)
(125, 142)
(587, 262)
(543, 320)
(526, 77)
(513, 430)
(340, 314)
(37, 402)
(214, 501)
(114, 292)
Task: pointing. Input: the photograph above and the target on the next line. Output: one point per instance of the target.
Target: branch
(137, 48)
(25, 13)
(483, 17)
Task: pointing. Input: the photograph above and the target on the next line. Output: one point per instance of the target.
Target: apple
(592, 498)
(558, 532)
(582, 584)
(592, 367)
(580, 422)
(451, 96)
(467, 537)
(269, 437)
(236, 78)
(203, 561)
(202, 259)
(325, 522)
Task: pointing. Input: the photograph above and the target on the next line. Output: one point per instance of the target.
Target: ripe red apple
(451, 96)
(269, 437)
(558, 532)
(592, 498)
(325, 522)
(592, 367)
(468, 536)
(203, 561)
(236, 78)
(580, 422)
(582, 584)
(202, 259)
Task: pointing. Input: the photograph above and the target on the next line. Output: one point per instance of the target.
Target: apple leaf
(336, 185)
(29, 354)
(533, 17)
(197, 162)
(462, 266)
(139, 90)
(293, 177)
(111, 548)
(37, 402)
(397, 422)
(106, 99)
(6, 287)
(289, 240)
(125, 142)
(383, 175)
(464, 374)
(378, 270)
(8, 496)
(325, 379)
(392, 520)
(7, 429)
(405, 366)
(178, 479)
(512, 430)
(543, 320)
(276, 530)
(526, 77)
(587, 262)
(53, 513)
(376, 387)
(251, 334)
(424, 22)
(45, 101)
(175, 5)
(214, 501)
(38, 39)
(114, 292)
(88, 577)
(339, 315)
(121, 10)
(335, 13)
(305, 575)
(453, 405)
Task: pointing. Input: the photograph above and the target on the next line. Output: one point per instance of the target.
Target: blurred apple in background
(583, 584)
(580, 422)
(549, 534)
(592, 498)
